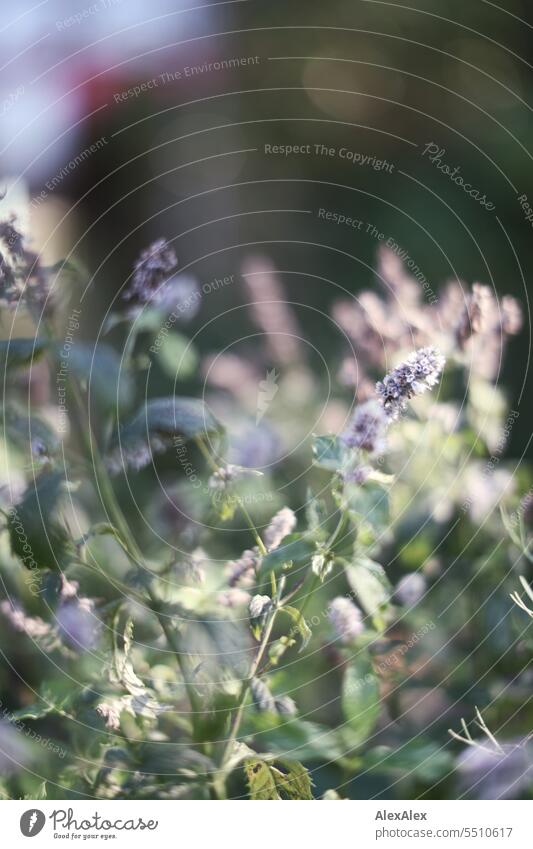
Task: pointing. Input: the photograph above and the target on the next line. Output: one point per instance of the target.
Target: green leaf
(261, 783)
(360, 699)
(50, 703)
(368, 503)
(293, 549)
(300, 625)
(306, 741)
(286, 779)
(37, 536)
(20, 352)
(328, 452)
(294, 781)
(173, 759)
(100, 371)
(140, 701)
(29, 434)
(171, 417)
(177, 357)
(158, 425)
(421, 760)
(370, 583)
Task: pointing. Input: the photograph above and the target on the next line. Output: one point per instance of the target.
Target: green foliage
(177, 357)
(33, 437)
(360, 698)
(36, 532)
(15, 353)
(287, 780)
(166, 418)
(100, 372)
(294, 550)
(156, 661)
(371, 586)
(328, 452)
(368, 504)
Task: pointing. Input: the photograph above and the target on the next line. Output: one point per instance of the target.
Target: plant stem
(237, 718)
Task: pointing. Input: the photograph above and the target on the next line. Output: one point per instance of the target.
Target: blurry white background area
(61, 61)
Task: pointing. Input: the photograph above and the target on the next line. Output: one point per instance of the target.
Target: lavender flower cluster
(21, 273)
(367, 430)
(152, 269)
(420, 372)
(469, 324)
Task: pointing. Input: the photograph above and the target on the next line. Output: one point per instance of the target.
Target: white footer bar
(262, 825)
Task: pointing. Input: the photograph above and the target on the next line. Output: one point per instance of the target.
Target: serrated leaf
(261, 783)
(140, 701)
(360, 699)
(294, 782)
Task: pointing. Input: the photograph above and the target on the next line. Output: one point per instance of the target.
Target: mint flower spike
(152, 269)
(367, 428)
(420, 372)
(346, 619)
(281, 525)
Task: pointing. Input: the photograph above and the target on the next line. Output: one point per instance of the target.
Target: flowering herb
(197, 602)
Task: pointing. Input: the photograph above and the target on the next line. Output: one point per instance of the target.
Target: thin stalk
(237, 718)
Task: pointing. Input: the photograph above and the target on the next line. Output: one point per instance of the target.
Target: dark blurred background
(183, 155)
